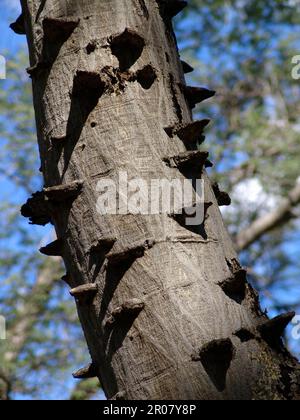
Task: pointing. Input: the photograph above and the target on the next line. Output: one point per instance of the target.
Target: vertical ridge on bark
(171, 273)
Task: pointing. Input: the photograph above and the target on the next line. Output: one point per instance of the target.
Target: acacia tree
(166, 310)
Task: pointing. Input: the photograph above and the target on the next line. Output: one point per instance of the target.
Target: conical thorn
(132, 252)
(216, 358)
(88, 81)
(235, 287)
(244, 335)
(182, 215)
(186, 67)
(59, 29)
(127, 47)
(85, 294)
(88, 372)
(146, 76)
(171, 8)
(19, 25)
(103, 245)
(188, 161)
(222, 197)
(208, 164)
(54, 249)
(196, 95)
(192, 133)
(129, 309)
(64, 192)
(273, 329)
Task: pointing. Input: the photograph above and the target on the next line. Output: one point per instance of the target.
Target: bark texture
(167, 312)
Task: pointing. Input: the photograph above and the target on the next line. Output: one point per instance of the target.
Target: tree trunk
(166, 310)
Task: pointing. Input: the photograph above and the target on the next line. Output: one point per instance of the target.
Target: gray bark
(171, 316)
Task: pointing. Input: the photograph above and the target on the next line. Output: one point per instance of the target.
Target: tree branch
(29, 312)
(265, 224)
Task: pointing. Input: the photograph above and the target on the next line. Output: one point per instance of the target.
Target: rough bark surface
(171, 316)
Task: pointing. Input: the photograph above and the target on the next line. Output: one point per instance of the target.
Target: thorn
(273, 329)
(59, 29)
(103, 245)
(88, 372)
(91, 47)
(64, 192)
(195, 95)
(87, 83)
(36, 210)
(127, 47)
(218, 348)
(181, 215)
(235, 286)
(208, 164)
(84, 294)
(193, 218)
(244, 335)
(193, 132)
(146, 76)
(129, 309)
(216, 358)
(171, 8)
(53, 250)
(131, 252)
(19, 25)
(186, 67)
(222, 197)
(185, 161)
